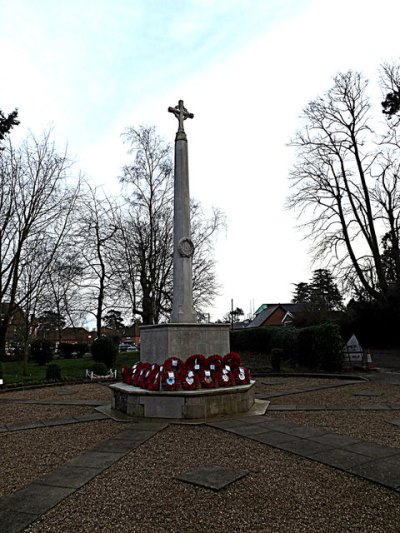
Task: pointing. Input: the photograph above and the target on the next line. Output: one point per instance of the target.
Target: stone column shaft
(182, 302)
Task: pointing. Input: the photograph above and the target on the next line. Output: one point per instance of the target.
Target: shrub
(81, 348)
(320, 347)
(99, 369)
(330, 347)
(69, 351)
(66, 350)
(41, 352)
(104, 350)
(262, 340)
(276, 357)
(53, 371)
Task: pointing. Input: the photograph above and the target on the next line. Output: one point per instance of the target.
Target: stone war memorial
(186, 369)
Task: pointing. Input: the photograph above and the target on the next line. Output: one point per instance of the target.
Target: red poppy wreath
(170, 380)
(153, 381)
(207, 379)
(225, 378)
(214, 363)
(195, 363)
(242, 375)
(174, 363)
(232, 359)
(189, 380)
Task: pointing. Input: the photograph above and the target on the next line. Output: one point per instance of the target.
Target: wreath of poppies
(170, 380)
(198, 371)
(241, 375)
(136, 369)
(174, 363)
(195, 363)
(225, 378)
(208, 379)
(214, 363)
(232, 359)
(190, 380)
(153, 380)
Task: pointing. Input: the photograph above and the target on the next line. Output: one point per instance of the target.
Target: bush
(262, 340)
(276, 357)
(53, 372)
(99, 369)
(66, 350)
(41, 352)
(104, 350)
(69, 351)
(81, 348)
(320, 347)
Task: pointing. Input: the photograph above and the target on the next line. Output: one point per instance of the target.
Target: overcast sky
(245, 68)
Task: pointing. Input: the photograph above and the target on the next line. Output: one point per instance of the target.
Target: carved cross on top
(181, 114)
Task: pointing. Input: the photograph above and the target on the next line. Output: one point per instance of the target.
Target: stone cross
(182, 299)
(181, 114)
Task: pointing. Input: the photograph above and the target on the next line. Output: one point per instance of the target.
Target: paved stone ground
(375, 463)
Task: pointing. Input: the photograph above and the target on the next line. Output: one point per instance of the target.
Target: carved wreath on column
(186, 247)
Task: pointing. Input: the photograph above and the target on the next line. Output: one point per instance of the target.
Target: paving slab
(303, 447)
(212, 476)
(340, 458)
(339, 407)
(227, 424)
(60, 421)
(279, 424)
(272, 438)
(372, 450)
(335, 441)
(384, 471)
(99, 460)
(90, 417)
(68, 476)
(286, 407)
(35, 499)
(25, 425)
(375, 407)
(305, 432)
(116, 446)
(311, 408)
(15, 521)
(248, 430)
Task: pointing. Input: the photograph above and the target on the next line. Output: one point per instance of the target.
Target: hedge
(318, 347)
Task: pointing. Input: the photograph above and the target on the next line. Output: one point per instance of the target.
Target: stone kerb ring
(185, 247)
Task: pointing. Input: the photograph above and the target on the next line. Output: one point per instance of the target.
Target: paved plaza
(376, 465)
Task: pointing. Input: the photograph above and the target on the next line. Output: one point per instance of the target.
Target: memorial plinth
(202, 403)
(159, 342)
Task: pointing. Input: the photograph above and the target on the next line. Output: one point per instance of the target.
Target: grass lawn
(70, 368)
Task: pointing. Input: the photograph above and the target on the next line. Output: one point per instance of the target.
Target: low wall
(203, 403)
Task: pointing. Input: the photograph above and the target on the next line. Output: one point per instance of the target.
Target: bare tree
(36, 203)
(96, 237)
(346, 183)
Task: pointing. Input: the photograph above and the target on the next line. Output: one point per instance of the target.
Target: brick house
(16, 322)
(275, 315)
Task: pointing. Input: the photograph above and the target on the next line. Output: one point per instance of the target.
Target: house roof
(270, 309)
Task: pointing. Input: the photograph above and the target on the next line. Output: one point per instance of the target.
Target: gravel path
(281, 493)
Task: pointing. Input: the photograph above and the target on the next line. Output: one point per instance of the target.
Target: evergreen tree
(321, 294)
